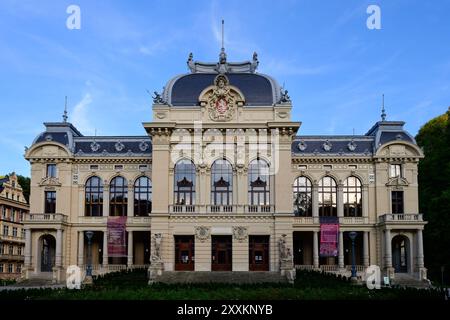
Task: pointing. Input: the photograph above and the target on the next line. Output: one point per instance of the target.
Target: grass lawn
(308, 286)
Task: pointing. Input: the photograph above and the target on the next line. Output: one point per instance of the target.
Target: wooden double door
(184, 253)
(258, 253)
(221, 253)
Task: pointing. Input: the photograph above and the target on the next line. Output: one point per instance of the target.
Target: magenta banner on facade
(117, 246)
(329, 233)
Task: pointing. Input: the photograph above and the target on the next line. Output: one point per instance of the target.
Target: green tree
(434, 193)
(25, 184)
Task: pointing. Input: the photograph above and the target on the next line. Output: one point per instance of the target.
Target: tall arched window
(352, 197)
(184, 188)
(258, 183)
(142, 197)
(327, 197)
(221, 183)
(302, 197)
(118, 191)
(93, 193)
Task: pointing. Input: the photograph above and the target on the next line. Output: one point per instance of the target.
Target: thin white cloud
(80, 115)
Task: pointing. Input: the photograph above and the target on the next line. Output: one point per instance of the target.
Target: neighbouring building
(13, 210)
(222, 179)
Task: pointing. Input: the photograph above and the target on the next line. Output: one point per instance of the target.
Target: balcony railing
(401, 217)
(11, 238)
(342, 220)
(14, 257)
(98, 269)
(46, 217)
(221, 209)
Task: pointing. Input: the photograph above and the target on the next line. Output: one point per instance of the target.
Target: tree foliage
(434, 192)
(25, 184)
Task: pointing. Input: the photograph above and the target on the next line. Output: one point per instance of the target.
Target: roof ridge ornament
(65, 116)
(383, 111)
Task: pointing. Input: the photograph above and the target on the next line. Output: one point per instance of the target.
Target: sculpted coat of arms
(221, 99)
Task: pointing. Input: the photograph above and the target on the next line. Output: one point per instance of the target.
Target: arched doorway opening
(400, 254)
(48, 247)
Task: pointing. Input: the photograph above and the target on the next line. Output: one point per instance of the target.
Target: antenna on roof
(223, 55)
(65, 117)
(383, 111)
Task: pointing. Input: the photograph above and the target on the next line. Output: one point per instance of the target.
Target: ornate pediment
(50, 182)
(397, 182)
(221, 99)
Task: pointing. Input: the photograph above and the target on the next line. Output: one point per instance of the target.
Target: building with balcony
(13, 210)
(223, 180)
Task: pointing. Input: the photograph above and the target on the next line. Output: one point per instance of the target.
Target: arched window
(302, 197)
(327, 197)
(118, 191)
(142, 197)
(258, 183)
(93, 194)
(352, 197)
(221, 183)
(184, 188)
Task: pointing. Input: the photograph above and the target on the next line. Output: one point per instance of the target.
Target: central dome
(258, 89)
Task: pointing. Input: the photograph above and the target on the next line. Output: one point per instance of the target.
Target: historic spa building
(223, 180)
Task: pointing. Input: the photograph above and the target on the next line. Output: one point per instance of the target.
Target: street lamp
(89, 235)
(352, 236)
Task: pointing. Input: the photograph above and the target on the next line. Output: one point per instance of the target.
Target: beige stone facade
(13, 210)
(224, 180)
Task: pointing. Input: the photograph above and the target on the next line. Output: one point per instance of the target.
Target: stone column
(28, 248)
(341, 250)
(420, 263)
(365, 203)
(315, 202)
(130, 249)
(105, 248)
(388, 249)
(340, 200)
(80, 248)
(130, 203)
(316, 249)
(105, 200)
(58, 256)
(366, 249)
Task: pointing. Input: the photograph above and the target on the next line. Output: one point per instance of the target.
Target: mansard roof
(258, 89)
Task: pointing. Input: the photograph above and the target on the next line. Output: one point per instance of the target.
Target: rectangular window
(353, 166)
(2, 250)
(5, 230)
(19, 251)
(19, 268)
(11, 250)
(397, 201)
(143, 167)
(395, 170)
(3, 212)
(118, 167)
(10, 268)
(14, 232)
(51, 170)
(50, 201)
(1, 267)
(13, 215)
(93, 167)
(23, 233)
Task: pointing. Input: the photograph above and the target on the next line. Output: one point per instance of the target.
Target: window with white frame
(395, 170)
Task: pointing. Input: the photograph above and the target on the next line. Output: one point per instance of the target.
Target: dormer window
(51, 170)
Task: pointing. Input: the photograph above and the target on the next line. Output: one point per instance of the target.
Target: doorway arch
(47, 244)
(400, 254)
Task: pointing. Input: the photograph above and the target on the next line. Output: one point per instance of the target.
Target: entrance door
(258, 253)
(184, 253)
(221, 259)
(400, 254)
(48, 245)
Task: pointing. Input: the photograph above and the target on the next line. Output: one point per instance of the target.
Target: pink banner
(329, 233)
(117, 246)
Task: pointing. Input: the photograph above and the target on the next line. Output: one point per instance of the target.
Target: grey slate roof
(258, 89)
(113, 146)
(333, 145)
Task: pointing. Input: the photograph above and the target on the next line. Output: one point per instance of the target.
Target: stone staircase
(234, 277)
(406, 280)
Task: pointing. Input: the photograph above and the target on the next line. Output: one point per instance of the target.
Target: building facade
(223, 181)
(13, 209)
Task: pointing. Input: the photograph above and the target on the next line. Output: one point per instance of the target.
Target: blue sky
(334, 67)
